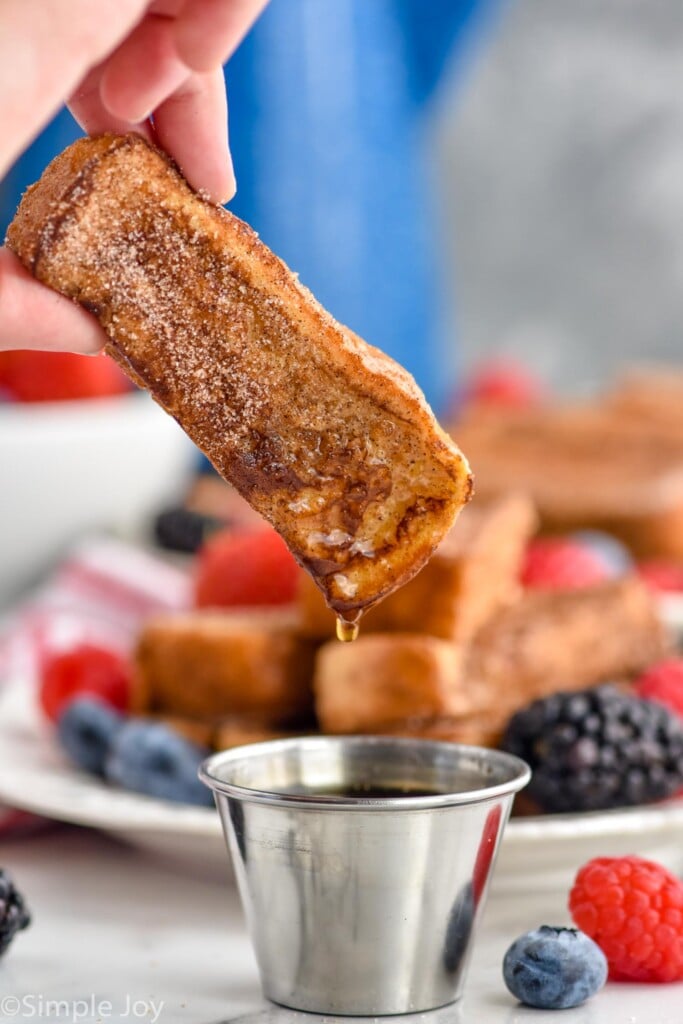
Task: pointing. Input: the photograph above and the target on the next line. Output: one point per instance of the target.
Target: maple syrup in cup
(363, 864)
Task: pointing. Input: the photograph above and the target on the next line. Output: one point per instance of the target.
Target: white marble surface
(119, 936)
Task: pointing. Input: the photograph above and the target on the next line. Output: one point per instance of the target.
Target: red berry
(661, 575)
(487, 848)
(56, 376)
(504, 382)
(633, 909)
(663, 682)
(245, 567)
(84, 669)
(557, 563)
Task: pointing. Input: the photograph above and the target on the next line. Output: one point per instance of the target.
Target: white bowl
(69, 467)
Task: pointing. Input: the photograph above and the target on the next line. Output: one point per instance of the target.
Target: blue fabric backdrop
(329, 110)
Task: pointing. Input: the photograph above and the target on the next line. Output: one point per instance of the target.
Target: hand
(116, 63)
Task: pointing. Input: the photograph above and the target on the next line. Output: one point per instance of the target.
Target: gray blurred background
(562, 174)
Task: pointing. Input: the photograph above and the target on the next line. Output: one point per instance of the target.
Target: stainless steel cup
(359, 905)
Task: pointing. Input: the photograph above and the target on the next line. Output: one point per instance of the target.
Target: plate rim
(18, 708)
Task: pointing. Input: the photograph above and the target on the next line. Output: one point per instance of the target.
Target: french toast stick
(472, 575)
(213, 664)
(329, 439)
(387, 677)
(545, 642)
(565, 640)
(587, 466)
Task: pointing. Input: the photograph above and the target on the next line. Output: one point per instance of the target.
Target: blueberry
(554, 968)
(614, 555)
(459, 929)
(149, 758)
(86, 729)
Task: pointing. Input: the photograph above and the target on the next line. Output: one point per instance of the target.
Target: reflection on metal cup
(363, 864)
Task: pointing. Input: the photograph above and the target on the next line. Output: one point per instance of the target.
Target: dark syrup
(361, 791)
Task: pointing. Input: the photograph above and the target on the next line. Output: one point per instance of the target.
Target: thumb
(33, 316)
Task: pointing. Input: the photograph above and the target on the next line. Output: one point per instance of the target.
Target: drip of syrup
(347, 629)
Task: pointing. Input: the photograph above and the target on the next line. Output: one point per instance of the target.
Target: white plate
(543, 852)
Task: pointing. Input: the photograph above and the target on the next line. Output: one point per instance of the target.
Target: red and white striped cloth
(101, 593)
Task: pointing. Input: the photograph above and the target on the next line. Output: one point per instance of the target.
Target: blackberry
(180, 529)
(597, 749)
(13, 913)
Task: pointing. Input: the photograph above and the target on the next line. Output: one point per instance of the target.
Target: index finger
(207, 32)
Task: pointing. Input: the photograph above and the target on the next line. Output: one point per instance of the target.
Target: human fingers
(45, 50)
(192, 125)
(143, 71)
(87, 107)
(207, 32)
(33, 316)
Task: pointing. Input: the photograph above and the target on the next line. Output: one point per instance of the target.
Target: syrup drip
(348, 629)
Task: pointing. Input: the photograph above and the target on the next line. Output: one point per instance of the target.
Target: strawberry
(662, 576)
(57, 376)
(245, 567)
(83, 669)
(560, 563)
(485, 852)
(663, 682)
(506, 383)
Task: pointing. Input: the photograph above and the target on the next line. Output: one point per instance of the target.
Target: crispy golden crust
(565, 640)
(326, 437)
(236, 732)
(614, 466)
(651, 397)
(472, 575)
(422, 686)
(203, 665)
(476, 729)
(387, 677)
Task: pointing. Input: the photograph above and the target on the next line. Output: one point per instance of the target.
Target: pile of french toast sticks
(462, 646)
(450, 656)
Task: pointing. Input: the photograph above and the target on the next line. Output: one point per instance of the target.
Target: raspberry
(80, 670)
(661, 576)
(245, 567)
(633, 909)
(663, 683)
(597, 749)
(505, 383)
(558, 563)
(56, 376)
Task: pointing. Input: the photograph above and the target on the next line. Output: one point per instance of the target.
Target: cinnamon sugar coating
(330, 440)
